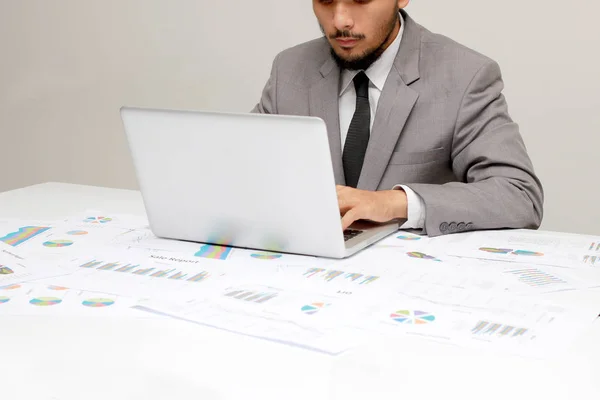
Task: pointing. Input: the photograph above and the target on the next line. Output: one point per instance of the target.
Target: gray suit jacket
(442, 128)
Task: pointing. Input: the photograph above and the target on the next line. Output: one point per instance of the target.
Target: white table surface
(146, 359)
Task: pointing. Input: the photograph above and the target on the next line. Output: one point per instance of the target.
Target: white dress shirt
(378, 73)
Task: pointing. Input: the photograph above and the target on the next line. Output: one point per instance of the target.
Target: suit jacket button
(444, 227)
(462, 226)
(453, 227)
(470, 226)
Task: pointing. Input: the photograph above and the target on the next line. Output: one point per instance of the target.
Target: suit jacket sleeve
(268, 100)
(497, 185)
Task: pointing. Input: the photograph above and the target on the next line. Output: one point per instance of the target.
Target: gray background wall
(67, 66)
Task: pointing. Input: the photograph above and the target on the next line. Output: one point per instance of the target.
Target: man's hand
(382, 206)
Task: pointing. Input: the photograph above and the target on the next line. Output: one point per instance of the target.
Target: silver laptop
(242, 180)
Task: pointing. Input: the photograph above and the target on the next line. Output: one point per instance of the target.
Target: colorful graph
(143, 272)
(591, 260)
(535, 277)
(412, 317)
(91, 264)
(330, 275)
(178, 276)
(107, 266)
(98, 302)
(45, 301)
(162, 273)
(4, 299)
(98, 220)
(127, 268)
(266, 256)
(252, 296)
(360, 278)
(353, 276)
(486, 328)
(5, 270)
(10, 287)
(511, 251)
(57, 288)
(136, 269)
(23, 234)
(313, 271)
(409, 237)
(323, 273)
(422, 256)
(214, 252)
(495, 250)
(528, 253)
(58, 243)
(368, 279)
(313, 308)
(77, 233)
(199, 277)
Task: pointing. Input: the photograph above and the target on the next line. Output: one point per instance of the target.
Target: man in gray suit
(417, 123)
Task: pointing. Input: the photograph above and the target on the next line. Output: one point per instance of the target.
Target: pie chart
(412, 317)
(4, 300)
(98, 220)
(313, 308)
(98, 303)
(5, 270)
(45, 301)
(58, 243)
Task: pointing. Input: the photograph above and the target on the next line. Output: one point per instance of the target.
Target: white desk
(70, 358)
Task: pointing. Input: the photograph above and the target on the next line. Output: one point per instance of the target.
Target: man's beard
(366, 59)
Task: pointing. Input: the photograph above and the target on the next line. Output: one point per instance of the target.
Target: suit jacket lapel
(395, 105)
(324, 103)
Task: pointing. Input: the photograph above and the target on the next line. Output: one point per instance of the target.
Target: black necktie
(358, 133)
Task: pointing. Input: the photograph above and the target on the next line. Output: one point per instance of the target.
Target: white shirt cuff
(416, 209)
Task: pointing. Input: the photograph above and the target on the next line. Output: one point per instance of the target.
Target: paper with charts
(102, 265)
(332, 310)
(56, 240)
(528, 247)
(43, 299)
(428, 265)
(16, 267)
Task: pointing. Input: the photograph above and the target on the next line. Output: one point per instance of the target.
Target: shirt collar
(380, 69)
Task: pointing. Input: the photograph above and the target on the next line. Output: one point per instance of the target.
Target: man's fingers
(344, 201)
(343, 204)
(349, 217)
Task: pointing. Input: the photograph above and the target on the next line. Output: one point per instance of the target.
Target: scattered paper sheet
(480, 319)
(44, 299)
(527, 247)
(16, 267)
(58, 239)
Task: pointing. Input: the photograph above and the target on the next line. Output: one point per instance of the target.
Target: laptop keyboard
(351, 233)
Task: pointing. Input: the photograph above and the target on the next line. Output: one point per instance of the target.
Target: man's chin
(352, 61)
(348, 55)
